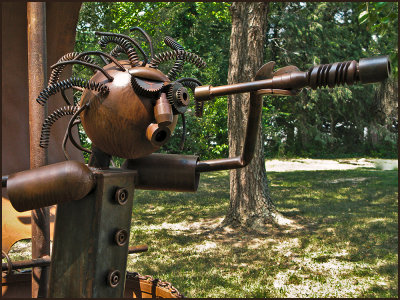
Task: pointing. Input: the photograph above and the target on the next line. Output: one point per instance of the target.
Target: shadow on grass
(350, 221)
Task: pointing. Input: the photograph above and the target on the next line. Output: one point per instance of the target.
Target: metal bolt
(120, 237)
(121, 196)
(113, 278)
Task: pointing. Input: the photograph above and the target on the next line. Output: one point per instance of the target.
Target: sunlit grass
(344, 244)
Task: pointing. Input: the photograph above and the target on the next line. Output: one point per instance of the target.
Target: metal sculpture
(129, 108)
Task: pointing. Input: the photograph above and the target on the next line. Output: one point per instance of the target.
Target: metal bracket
(91, 239)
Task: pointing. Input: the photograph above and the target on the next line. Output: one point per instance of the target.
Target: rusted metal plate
(61, 22)
(141, 288)
(16, 285)
(85, 250)
(16, 226)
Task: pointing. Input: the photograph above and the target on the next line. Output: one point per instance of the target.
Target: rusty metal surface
(84, 249)
(37, 77)
(368, 70)
(167, 172)
(138, 249)
(16, 285)
(49, 185)
(145, 286)
(61, 22)
(16, 226)
(24, 264)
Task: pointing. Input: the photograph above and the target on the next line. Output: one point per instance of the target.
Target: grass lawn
(343, 241)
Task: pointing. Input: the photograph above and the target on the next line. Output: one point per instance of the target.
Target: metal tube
(166, 172)
(24, 264)
(368, 70)
(48, 185)
(255, 108)
(137, 249)
(37, 64)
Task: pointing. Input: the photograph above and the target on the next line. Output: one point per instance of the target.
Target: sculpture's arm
(287, 83)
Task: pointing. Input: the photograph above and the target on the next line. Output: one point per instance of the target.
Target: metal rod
(37, 64)
(79, 62)
(138, 249)
(24, 264)
(254, 116)
(102, 54)
(148, 38)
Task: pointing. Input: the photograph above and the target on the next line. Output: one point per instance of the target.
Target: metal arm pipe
(368, 70)
(255, 108)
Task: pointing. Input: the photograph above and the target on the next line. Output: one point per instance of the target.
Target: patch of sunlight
(351, 180)
(206, 246)
(257, 242)
(375, 220)
(324, 280)
(202, 225)
(285, 246)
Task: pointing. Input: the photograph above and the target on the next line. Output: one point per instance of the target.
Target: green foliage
(314, 123)
(322, 122)
(381, 18)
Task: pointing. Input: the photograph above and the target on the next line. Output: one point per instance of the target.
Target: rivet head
(121, 237)
(113, 278)
(121, 196)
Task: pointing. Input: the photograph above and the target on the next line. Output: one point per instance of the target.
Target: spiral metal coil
(51, 119)
(178, 66)
(192, 83)
(332, 74)
(117, 51)
(125, 46)
(181, 54)
(55, 73)
(69, 83)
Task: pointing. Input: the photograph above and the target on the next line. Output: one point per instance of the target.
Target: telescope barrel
(368, 70)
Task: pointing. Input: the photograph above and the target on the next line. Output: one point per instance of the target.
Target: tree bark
(250, 203)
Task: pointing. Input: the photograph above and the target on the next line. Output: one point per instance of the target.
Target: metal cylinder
(49, 185)
(168, 172)
(157, 135)
(374, 69)
(163, 111)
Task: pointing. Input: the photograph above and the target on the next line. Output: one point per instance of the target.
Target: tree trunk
(250, 203)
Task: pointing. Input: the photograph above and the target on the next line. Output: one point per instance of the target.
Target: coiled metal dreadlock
(55, 73)
(125, 46)
(182, 54)
(117, 51)
(69, 83)
(178, 66)
(51, 119)
(192, 83)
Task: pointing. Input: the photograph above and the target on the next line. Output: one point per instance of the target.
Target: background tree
(250, 202)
